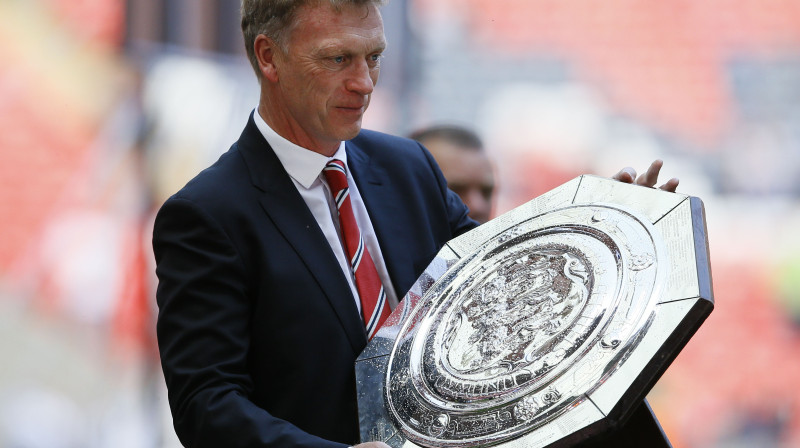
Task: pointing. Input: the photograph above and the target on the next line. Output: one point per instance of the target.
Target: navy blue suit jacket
(257, 327)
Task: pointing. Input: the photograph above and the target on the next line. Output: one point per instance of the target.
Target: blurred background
(109, 106)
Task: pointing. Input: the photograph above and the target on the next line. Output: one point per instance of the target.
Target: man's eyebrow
(334, 46)
(329, 48)
(380, 46)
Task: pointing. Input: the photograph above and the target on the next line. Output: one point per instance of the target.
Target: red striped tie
(373, 298)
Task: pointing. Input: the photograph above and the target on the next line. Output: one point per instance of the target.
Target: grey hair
(275, 19)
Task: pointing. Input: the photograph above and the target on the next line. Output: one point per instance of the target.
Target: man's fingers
(650, 178)
(626, 175)
(671, 185)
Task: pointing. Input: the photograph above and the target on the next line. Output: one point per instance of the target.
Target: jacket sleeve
(203, 335)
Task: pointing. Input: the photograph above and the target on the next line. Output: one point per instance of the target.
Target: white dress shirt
(305, 169)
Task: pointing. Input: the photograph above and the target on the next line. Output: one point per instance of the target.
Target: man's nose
(360, 80)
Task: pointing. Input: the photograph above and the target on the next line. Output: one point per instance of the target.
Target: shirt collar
(302, 164)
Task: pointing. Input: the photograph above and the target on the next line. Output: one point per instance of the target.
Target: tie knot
(336, 175)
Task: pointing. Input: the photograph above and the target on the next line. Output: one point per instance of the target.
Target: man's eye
(374, 59)
(338, 59)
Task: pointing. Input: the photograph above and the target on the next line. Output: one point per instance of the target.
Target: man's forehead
(350, 44)
(352, 24)
(324, 14)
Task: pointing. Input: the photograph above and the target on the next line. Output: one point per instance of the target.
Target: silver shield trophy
(546, 326)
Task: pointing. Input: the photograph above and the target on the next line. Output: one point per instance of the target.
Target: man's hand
(372, 445)
(648, 179)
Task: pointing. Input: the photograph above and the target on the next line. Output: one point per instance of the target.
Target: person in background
(466, 166)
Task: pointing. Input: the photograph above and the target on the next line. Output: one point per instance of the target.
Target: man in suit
(259, 316)
(262, 303)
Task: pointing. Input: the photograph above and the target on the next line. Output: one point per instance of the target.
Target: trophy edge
(702, 249)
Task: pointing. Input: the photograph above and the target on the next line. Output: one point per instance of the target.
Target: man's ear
(266, 51)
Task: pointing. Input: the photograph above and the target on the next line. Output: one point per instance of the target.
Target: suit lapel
(386, 215)
(287, 210)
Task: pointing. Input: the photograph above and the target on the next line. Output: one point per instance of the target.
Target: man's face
(327, 76)
(469, 174)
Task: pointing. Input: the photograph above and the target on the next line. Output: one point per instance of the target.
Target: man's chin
(350, 132)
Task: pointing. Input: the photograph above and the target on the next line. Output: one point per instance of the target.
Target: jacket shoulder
(374, 140)
(217, 184)
(391, 149)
